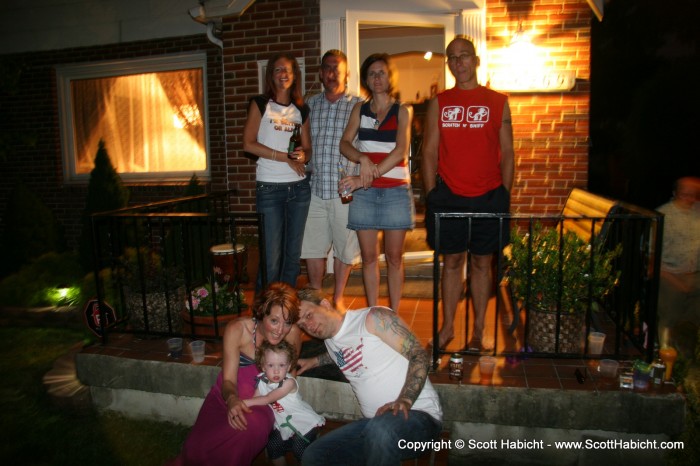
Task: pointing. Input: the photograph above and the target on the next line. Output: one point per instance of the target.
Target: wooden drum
(230, 263)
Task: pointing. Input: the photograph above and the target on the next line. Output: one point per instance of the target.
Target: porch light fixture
(520, 38)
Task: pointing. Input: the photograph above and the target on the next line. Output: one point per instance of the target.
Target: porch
(527, 398)
(548, 397)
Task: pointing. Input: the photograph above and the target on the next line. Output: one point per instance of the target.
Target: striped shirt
(377, 139)
(328, 121)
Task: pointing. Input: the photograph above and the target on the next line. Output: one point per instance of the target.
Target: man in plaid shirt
(326, 224)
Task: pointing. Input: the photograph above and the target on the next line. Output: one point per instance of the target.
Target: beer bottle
(294, 142)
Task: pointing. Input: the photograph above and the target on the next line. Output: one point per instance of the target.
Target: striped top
(377, 139)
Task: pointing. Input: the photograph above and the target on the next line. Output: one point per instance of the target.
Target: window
(151, 114)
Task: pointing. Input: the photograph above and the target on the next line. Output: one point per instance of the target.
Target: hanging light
(428, 55)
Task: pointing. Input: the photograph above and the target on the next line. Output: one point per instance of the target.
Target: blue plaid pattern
(328, 121)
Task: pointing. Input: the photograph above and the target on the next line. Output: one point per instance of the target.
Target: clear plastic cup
(197, 348)
(175, 347)
(595, 342)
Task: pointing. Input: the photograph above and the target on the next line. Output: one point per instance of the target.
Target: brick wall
(268, 26)
(33, 109)
(550, 129)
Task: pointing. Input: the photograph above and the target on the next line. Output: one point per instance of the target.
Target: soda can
(456, 366)
(658, 373)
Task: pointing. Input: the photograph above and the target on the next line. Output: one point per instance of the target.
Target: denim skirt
(382, 209)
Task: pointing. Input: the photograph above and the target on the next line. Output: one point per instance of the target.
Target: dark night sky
(644, 99)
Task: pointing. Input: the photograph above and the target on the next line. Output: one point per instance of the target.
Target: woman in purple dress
(227, 432)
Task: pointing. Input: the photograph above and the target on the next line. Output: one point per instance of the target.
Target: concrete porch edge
(174, 391)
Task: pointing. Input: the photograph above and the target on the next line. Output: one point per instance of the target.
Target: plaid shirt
(328, 121)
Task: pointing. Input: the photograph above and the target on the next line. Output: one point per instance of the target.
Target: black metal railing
(151, 262)
(628, 314)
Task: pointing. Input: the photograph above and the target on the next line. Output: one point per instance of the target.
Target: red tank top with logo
(469, 159)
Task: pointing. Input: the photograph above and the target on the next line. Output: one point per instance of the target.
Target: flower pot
(204, 325)
(542, 332)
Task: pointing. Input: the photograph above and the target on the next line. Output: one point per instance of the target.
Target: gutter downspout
(212, 38)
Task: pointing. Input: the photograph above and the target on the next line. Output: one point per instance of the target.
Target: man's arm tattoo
(418, 360)
(324, 359)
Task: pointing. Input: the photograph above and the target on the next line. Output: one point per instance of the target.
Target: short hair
(282, 347)
(277, 294)
(364, 71)
(296, 93)
(693, 181)
(464, 38)
(311, 295)
(334, 53)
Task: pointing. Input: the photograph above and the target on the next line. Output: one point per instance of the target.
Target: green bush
(31, 229)
(105, 192)
(35, 283)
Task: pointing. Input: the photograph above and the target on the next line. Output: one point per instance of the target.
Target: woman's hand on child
(236, 413)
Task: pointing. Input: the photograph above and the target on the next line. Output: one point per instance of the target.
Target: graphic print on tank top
(349, 360)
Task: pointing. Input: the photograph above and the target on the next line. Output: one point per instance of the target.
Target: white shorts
(326, 225)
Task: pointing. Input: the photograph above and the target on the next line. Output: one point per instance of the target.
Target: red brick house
(52, 49)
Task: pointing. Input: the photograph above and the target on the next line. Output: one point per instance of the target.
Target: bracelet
(274, 155)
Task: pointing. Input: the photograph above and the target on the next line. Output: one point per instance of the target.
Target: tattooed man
(388, 371)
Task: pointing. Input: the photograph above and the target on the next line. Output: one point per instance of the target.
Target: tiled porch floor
(526, 372)
(532, 373)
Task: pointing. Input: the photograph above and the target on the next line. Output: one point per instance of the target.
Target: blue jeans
(373, 441)
(285, 206)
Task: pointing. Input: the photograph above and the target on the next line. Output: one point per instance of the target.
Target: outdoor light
(62, 295)
(520, 38)
(63, 291)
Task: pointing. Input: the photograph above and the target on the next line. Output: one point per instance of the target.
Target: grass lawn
(36, 432)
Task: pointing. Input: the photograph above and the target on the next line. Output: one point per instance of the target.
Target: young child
(296, 423)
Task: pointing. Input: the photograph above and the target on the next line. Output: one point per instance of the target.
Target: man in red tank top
(468, 166)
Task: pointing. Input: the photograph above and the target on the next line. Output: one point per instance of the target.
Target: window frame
(65, 74)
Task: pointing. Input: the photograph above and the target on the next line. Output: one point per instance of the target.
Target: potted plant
(207, 308)
(151, 289)
(556, 272)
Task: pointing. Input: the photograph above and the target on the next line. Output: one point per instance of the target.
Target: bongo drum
(229, 261)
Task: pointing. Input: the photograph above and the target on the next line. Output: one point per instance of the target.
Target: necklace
(380, 114)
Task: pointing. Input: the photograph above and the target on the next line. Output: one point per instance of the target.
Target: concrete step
(610, 411)
(62, 384)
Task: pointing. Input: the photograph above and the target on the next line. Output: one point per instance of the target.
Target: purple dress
(212, 441)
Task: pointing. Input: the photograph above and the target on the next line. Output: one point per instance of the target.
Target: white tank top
(375, 371)
(276, 127)
(292, 414)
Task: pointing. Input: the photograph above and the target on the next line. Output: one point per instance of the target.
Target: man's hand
(306, 364)
(401, 405)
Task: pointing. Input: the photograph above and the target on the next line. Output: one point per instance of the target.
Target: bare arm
(234, 338)
(431, 143)
(368, 170)
(288, 386)
(393, 331)
(294, 337)
(505, 137)
(306, 364)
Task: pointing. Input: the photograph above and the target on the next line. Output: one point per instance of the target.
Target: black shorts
(478, 236)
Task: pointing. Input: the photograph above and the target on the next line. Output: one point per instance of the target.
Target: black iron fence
(176, 267)
(556, 285)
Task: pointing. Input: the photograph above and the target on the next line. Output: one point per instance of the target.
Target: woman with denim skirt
(377, 137)
(282, 189)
